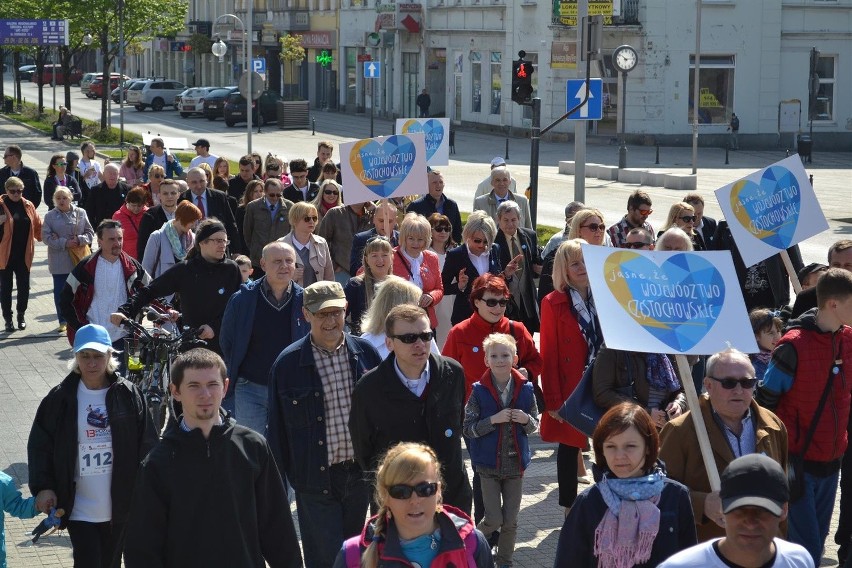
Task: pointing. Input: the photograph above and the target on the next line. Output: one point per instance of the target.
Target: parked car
(26, 72)
(235, 108)
(86, 81)
(123, 89)
(192, 100)
(214, 102)
(154, 93)
(96, 89)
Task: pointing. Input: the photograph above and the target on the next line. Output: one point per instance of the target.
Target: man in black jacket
(437, 202)
(15, 167)
(412, 396)
(301, 189)
(107, 197)
(155, 217)
(179, 516)
(212, 202)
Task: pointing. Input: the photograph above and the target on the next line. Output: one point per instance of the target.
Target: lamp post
(219, 49)
(120, 72)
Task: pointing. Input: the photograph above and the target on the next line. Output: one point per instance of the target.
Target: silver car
(154, 93)
(86, 81)
(192, 101)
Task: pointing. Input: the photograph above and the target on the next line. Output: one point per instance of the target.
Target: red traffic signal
(522, 81)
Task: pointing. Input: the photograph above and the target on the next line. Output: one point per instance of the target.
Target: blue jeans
(252, 405)
(58, 283)
(326, 520)
(817, 502)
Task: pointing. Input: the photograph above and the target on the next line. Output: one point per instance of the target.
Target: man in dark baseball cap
(754, 498)
(202, 149)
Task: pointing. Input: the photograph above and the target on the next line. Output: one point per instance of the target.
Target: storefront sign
(563, 55)
(565, 11)
(318, 40)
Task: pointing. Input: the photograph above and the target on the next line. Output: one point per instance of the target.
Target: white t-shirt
(210, 160)
(90, 170)
(110, 293)
(787, 555)
(93, 472)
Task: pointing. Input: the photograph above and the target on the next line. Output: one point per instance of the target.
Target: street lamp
(219, 49)
(87, 39)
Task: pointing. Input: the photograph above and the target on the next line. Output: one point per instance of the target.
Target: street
(32, 362)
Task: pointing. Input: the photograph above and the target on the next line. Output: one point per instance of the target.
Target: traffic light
(522, 88)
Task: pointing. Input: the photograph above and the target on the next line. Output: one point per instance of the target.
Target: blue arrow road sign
(258, 65)
(372, 70)
(593, 109)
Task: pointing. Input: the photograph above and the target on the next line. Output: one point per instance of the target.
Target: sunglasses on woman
(310, 218)
(728, 383)
(688, 218)
(402, 491)
(594, 227)
(491, 302)
(441, 229)
(276, 168)
(61, 164)
(409, 338)
(330, 192)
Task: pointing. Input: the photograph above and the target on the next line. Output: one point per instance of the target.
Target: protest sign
(771, 210)
(383, 167)
(437, 132)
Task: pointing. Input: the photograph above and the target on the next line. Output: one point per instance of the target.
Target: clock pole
(622, 150)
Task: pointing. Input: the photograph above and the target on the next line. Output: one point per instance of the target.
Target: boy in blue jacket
(14, 504)
(500, 413)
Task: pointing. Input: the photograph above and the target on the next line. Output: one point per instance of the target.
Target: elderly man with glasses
(736, 426)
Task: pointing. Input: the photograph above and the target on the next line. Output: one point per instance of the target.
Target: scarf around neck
(176, 241)
(587, 318)
(660, 373)
(626, 533)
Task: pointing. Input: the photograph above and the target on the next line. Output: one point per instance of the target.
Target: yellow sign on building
(566, 11)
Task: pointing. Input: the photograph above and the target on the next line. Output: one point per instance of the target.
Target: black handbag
(796, 462)
(580, 409)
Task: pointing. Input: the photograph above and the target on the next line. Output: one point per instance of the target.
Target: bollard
(313, 126)
(811, 178)
(787, 153)
(728, 147)
(506, 157)
(657, 159)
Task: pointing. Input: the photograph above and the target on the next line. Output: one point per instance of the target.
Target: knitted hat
(207, 230)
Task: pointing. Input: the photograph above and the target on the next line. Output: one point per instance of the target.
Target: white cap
(498, 161)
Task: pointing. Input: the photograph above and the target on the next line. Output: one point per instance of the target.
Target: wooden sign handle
(700, 429)
(794, 278)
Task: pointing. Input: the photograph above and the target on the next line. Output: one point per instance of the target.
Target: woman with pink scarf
(634, 515)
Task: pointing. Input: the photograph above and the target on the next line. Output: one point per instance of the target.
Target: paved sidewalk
(33, 361)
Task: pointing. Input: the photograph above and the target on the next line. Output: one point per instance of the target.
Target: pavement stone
(33, 361)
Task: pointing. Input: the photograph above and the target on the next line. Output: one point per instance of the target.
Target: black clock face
(625, 58)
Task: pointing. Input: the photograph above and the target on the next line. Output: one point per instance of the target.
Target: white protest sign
(771, 210)
(437, 132)
(684, 303)
(383, 167)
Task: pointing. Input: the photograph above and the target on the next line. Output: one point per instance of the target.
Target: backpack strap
(352, 552)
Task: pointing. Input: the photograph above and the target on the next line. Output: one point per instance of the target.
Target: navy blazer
(359, 241)
(219, 207)
(296, 424)
(425, 206)
(455, 260)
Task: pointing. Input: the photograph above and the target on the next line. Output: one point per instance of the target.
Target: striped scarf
(587, 318)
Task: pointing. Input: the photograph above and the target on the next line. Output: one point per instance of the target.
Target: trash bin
(8, 105)
(804, 146)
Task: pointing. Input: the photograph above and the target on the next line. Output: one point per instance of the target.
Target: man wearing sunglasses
(638, 211)
(14, 167)
(736, 426)
(266, 220)
(310, 395)
(412, 396)
(639, 239)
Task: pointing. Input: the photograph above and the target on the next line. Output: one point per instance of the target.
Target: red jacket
(130, 224)
(430, 274)
(564, 351)
(464, 344)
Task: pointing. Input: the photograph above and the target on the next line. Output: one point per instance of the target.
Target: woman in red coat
(464, 342)
(130, 215)
(412, 262)
(570, 337)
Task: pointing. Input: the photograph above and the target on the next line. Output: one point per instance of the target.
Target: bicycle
(148, 356)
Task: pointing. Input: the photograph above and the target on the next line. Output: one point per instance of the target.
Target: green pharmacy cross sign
(324, 58)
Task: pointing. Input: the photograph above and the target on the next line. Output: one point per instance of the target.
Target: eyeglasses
(402, 491)
(491, 302)
(14, 191)
(220, 242)
(330, 192)
(478, 241)
(688, 218)
(276, 168)
(728, 383)
(61, 164)
(409, 338)
(645, 212)
(310, 218)
(594, 227)
(441, 229)
(638, 245)
(325, 315)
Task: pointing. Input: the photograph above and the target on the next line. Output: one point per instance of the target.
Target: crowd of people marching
(357, 353)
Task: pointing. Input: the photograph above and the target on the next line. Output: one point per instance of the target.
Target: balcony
(564, 13)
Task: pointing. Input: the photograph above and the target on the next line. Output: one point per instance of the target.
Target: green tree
(292, 52)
